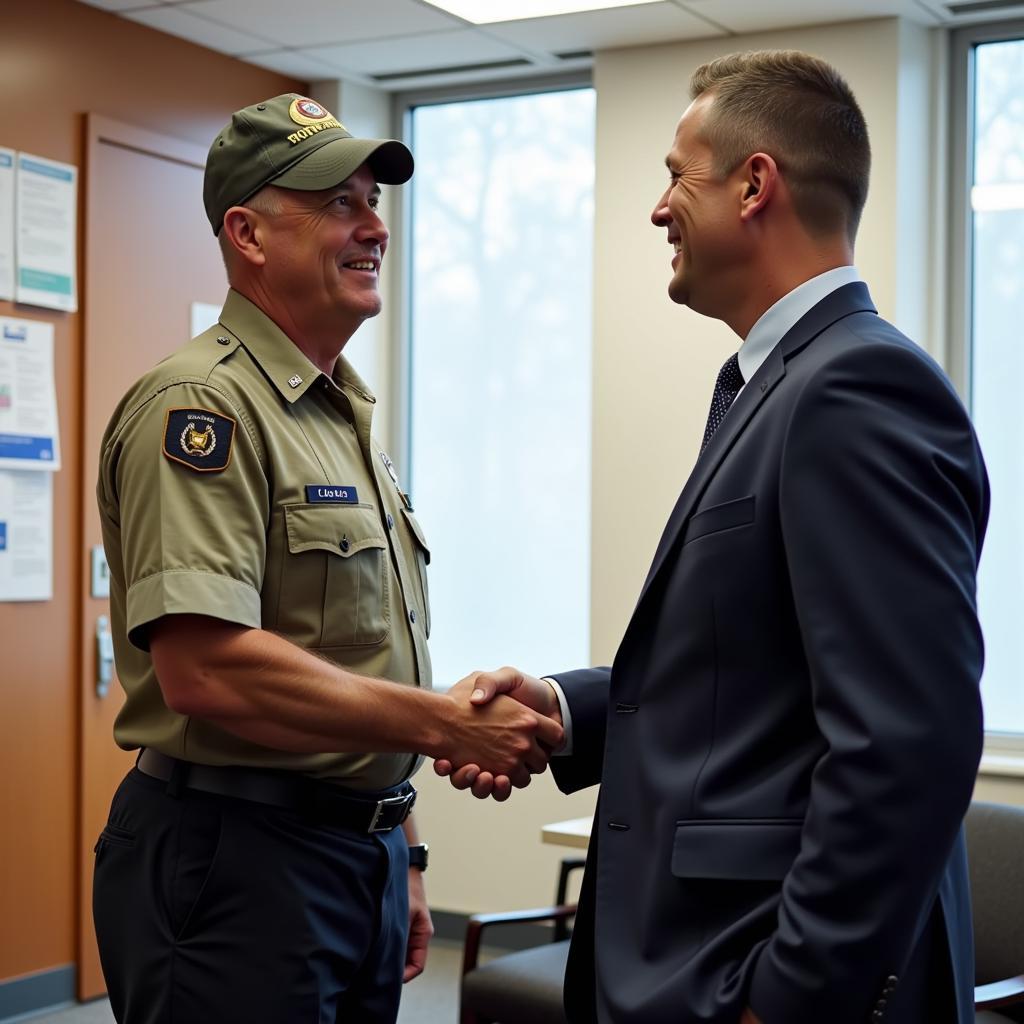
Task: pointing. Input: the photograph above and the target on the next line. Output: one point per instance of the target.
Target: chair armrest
(478, 922)
(999, 993)
(568, 865)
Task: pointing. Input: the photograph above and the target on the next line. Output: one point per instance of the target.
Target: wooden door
(149, 255)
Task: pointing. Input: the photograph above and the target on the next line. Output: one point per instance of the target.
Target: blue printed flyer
(29, 434)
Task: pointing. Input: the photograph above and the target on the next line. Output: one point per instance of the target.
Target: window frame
(403, 105)
(1004, 752)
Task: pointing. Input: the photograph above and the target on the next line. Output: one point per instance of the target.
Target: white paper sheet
(6, 223)
(29, 434)
(26, 536)
(46, 216)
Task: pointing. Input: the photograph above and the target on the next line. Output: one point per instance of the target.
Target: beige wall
(655, 363)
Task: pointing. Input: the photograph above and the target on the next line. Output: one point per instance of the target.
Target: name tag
(324, 493)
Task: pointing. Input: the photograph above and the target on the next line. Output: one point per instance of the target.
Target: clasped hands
(506, 726)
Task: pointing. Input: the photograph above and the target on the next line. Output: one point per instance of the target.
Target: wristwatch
(418, 856)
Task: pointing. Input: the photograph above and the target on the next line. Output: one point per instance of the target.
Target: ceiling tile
(179, 21)
(413, 53)
(596, 30)
(120, 5)
(295, 63)
(308, 22)
(743, 16)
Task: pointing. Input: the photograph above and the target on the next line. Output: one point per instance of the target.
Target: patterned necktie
(727, 387)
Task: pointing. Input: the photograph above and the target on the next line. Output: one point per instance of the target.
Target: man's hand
(491, 733)
(421, 928)
(483, 687)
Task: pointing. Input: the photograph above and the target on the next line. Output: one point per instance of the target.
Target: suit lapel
(851, 298)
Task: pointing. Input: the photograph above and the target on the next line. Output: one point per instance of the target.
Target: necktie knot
(727, 387)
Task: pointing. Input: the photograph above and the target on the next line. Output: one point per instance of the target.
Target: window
(499, 363)
(993, 312)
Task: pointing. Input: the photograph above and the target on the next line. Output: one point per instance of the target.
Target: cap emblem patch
(198, 438)
(305, 111)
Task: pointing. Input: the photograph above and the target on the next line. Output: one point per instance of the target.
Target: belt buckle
(382, 806)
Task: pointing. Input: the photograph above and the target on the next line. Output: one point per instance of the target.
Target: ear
(243, 232)
(759, 183)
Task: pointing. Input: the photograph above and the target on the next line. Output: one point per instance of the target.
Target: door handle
(104, 656)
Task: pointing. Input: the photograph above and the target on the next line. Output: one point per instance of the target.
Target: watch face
(418, 856)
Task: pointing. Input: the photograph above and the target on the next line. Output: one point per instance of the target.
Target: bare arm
(263, 688)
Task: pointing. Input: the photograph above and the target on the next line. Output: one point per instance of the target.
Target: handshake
(502, 729)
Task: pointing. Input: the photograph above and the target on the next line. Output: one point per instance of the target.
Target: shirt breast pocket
(335, 580)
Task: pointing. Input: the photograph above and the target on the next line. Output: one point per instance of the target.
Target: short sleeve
(193, 506)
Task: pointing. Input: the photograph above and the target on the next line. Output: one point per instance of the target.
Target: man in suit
(788, 738)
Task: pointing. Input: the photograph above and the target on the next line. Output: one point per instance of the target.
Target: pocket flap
(417, 533)
(342, 530)
(742, 850)
(720, 517)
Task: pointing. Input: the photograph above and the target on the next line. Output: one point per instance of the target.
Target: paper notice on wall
(29, 434)
(26, 536)
(6, 223)
(46, 204)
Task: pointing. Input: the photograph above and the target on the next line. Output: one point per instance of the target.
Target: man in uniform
(269, 601)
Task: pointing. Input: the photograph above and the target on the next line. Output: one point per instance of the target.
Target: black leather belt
(368, 814)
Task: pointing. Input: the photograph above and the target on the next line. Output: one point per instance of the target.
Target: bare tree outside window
(502, 231)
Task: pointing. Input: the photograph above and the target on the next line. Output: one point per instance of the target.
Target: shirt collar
(287, 368)
(778, 319)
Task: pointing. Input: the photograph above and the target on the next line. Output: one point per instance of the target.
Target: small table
(573, 832)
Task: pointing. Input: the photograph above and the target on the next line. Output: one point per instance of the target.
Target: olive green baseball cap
(293, 142)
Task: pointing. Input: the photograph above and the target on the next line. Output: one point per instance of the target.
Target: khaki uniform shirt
(240, 482)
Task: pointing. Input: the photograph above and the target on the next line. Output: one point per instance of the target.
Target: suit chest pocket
(716, 518)
(335, 577)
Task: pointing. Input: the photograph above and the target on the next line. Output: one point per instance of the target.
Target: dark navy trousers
(213, 910)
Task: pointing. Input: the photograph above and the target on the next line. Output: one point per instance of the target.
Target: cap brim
(389, 160)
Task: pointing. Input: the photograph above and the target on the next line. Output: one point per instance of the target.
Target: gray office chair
(995, 853)
(524, 987)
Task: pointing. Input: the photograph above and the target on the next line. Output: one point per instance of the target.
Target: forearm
(264, 689)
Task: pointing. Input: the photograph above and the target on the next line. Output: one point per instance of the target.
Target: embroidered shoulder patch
(199, 439)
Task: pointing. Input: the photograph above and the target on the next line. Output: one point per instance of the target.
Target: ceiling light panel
(599, 30)
(487, 12)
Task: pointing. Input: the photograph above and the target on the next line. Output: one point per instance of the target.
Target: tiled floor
(430, 999)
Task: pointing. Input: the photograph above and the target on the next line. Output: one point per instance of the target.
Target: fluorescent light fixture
(486, 12)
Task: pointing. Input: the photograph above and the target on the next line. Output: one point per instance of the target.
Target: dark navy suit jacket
(788, 739)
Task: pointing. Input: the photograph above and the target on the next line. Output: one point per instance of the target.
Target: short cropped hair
(800, 111)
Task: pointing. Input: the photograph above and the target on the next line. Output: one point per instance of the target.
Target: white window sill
(1002, 763)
